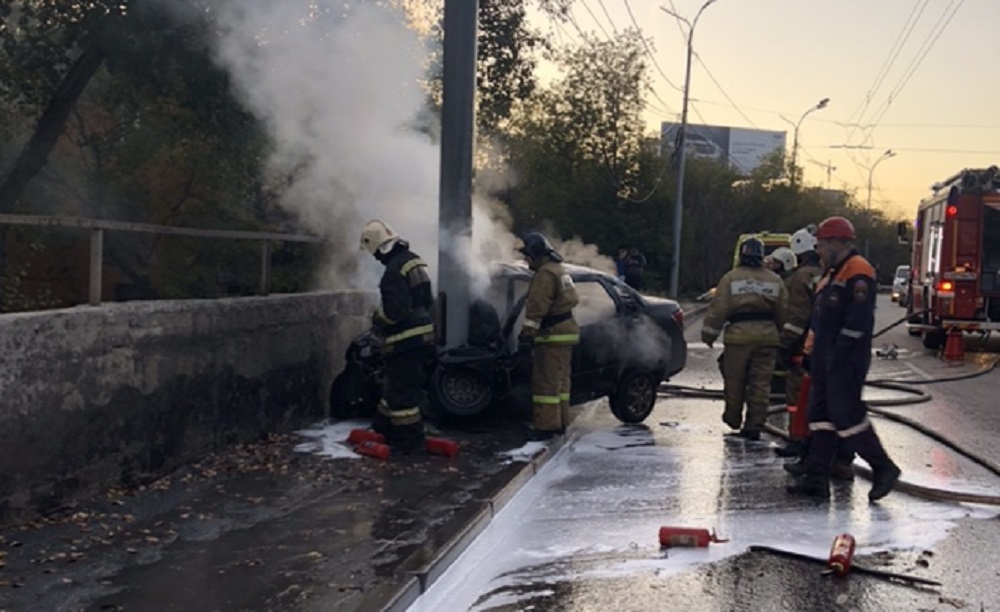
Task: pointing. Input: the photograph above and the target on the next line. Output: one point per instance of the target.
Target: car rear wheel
(460, 392)
(634, 396)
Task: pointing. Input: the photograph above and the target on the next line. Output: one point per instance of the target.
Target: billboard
(742, 148)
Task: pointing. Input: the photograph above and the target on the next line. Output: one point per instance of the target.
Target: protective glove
(805, 362)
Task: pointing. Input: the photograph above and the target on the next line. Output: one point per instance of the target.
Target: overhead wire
(594, 17)
(608, 15)
(649, 50)
(897, 47)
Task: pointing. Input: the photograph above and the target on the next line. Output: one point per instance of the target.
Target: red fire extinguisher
(687, 536)
(358, 436)
(373, 449)
(841, 555)
(434, 446)
(798, 420)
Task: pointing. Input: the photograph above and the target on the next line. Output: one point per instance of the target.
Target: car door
(596, 359)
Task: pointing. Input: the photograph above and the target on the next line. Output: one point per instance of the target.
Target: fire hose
(903, 386)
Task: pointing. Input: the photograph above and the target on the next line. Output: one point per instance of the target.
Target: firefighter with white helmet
(405, 322)
(550, 332)
(783, 261)
(749, 304)
(842, 323)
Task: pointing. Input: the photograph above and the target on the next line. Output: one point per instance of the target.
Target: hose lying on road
(856, 569)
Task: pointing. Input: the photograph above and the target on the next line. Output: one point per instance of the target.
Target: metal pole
(675, 265)
(457, 135)
(96, 265)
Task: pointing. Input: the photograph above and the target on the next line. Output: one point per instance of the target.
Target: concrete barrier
(118, 394)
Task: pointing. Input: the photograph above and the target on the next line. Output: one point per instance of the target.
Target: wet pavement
(297, 523)
(583, 534)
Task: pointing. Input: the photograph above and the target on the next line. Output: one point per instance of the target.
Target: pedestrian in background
(635, 266)
(620, 262)
(749, 308)
(549, 332)
(405, 323)
(842, 325)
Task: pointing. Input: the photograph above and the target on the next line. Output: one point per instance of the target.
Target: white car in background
(900, 285)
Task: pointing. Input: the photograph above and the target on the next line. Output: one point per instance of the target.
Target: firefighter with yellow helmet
(550, 332)
(405, 323)
(749, 309)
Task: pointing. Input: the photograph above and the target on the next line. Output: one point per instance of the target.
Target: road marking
(920, 372)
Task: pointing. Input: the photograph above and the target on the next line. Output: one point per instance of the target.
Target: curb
(432, 561)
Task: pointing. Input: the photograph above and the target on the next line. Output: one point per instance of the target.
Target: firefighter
(842, 323)
(783, 262)
(801, 285)
(750, 302)
(549, 332)
(405, 323)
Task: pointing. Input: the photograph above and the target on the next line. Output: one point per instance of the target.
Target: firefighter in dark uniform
(551, 332)
(801, 285)
(750, 303)
(405, 323)
(842, 324)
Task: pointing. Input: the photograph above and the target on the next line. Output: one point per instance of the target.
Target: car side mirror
(903, 232)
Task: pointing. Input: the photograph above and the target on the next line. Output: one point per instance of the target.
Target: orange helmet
(835, 228)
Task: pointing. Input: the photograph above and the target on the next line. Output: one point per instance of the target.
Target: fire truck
(955, 259)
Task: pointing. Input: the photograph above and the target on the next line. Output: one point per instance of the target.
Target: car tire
(458, 392)
(634, 396)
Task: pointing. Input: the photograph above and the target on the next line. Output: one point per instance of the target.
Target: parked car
(900, 285)
(629, 344)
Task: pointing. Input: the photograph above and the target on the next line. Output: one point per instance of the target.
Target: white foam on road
(329, 438)
(595, 510)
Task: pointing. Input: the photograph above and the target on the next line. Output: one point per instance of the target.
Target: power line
(897, 47)
(594, 17)
(733, 104)
(922, 53)
(649, 51)
(608, 15)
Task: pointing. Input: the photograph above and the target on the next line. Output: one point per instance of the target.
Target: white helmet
(803, 241)
(378, 236)
(785, 257)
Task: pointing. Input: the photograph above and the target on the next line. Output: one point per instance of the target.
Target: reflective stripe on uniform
(400, 416)
(564, 397)
(753, 286)
(558, 339)
(413, 263)
(795, 329)
(852, 333)
(851, 431)
(822, 426)
(545, 399)
(380, 315)
(710, 330)
(410, 333)
(532, 324)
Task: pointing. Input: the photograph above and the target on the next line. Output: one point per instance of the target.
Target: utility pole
(675, 265)
(829, 170)
(871, 172)
(455, 197)
(795, 141)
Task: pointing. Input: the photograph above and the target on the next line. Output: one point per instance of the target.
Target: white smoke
(339, 87)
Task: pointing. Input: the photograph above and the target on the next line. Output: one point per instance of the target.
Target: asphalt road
(583, 534)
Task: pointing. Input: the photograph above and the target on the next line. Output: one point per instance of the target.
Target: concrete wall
(116, 394)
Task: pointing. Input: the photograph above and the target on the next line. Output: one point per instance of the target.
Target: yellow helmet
(377, 235)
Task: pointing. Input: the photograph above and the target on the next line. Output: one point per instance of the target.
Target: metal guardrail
(97, 228)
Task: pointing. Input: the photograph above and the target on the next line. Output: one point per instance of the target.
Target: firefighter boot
(885, 473)
(812, 484)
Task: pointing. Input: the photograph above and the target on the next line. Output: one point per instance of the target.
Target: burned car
(629, 344)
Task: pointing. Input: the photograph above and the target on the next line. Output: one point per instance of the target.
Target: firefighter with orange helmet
(842, 324)
(749, 309)
(405, 322)
(550, 332)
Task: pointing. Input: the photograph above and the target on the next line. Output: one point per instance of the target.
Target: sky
(918, 76)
